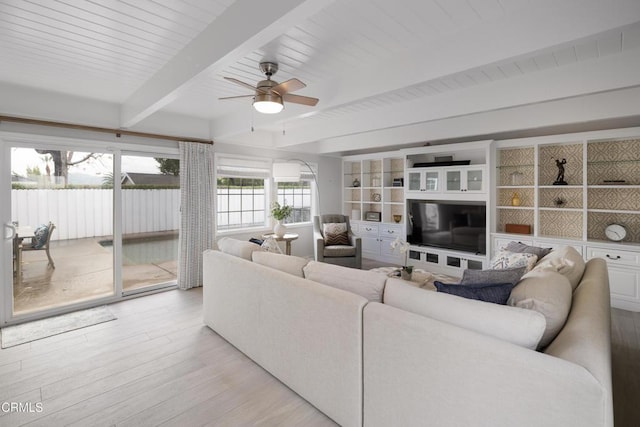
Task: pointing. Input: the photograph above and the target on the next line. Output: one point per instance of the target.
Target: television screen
(450, 225)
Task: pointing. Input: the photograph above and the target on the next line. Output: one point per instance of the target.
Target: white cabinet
(423, 180)
(624, 274)
(376, 241)
(445, 261)
(470, 179)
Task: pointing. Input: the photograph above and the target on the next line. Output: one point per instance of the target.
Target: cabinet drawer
(390, 231)
(368, 229)
(615, 256)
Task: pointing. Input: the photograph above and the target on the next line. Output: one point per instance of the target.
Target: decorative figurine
(559, 202)
(560, 178)
(356, 183)
(515, 200)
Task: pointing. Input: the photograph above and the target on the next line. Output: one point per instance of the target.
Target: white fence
(79, 213)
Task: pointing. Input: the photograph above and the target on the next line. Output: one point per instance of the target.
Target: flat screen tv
(450, 225)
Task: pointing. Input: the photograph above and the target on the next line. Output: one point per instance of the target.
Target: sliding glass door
(150, 221)
(84, 225)
(59, 212)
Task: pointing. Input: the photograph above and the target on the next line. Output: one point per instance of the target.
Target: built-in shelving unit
(602, 172)
(373, 197)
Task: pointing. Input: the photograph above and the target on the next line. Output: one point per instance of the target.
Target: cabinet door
(431, 181)
(414, 180)
(624, 283)
(474, 180)
(469, 179)
(453, 180)
(370, 245)
(424, 180)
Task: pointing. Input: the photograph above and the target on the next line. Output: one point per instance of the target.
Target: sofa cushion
(520, 247)
(238, 248)
(566, 261)
(549, 294)
(368, 284)
(512, 324)
(335, 233)
(339, 251)
(497, 293)
(506, 259)
(476, 277)
(287, 263)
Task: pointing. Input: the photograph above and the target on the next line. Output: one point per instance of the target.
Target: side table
(287, 238)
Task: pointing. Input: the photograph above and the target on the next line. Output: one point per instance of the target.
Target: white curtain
(197, 211)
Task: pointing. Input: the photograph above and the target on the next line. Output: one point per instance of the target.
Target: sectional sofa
(370, 350)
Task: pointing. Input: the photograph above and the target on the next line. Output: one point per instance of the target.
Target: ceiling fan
(270, 95)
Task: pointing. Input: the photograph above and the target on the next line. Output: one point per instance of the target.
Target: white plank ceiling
(371, 62)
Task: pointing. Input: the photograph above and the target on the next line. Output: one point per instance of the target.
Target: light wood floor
(158, 365)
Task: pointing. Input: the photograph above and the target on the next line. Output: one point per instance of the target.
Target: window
(242, 186)
(298, 195)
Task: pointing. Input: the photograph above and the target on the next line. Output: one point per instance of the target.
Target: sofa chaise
(370, 350)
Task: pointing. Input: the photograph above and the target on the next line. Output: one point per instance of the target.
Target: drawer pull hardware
(610, 257)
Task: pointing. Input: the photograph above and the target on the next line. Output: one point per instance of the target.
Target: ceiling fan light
(268, 103)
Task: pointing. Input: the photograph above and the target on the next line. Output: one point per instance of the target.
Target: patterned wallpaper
(549, 170)
(561, 224)
(506, 194)
(620, 199)
(513, 160)
(571, 196)
(598, 221)
(514, 216)
(611, 160)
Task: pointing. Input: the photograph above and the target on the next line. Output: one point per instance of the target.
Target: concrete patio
(84, 271)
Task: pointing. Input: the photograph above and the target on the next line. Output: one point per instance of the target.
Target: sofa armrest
(318, 247)
(417, 368)
(357, 242)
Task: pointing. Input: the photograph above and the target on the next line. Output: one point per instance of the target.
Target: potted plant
(280, 213)
(402, 246)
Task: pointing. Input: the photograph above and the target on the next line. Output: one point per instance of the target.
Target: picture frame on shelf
(372, 216)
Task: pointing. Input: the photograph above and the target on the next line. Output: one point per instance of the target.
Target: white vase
(279, 230)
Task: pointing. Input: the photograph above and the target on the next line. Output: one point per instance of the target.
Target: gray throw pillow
(520, 247)
(478, 277)
(497, 293)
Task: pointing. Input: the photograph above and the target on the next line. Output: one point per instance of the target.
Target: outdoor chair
(346, 251)
(39, 246)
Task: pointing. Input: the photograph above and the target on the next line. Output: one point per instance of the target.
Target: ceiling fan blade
(243, 84)
(298, 99)
(290, 85)
(234, 97)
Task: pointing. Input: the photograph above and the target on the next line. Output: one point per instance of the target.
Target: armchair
(345, 255)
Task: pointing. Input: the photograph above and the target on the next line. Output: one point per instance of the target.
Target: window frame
(262, 167)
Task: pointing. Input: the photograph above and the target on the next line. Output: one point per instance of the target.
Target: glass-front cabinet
(424, 180)
(465, 180)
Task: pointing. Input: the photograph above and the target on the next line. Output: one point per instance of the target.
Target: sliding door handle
(11, 227)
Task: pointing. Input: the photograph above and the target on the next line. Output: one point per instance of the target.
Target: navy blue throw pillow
(497, 293)
(40, 237)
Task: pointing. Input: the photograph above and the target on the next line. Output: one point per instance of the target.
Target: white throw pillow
(521, 327)
(566, 261)
(368, 284)
(287, 263)
(238, 248)
(547, 292)
(506, 259)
